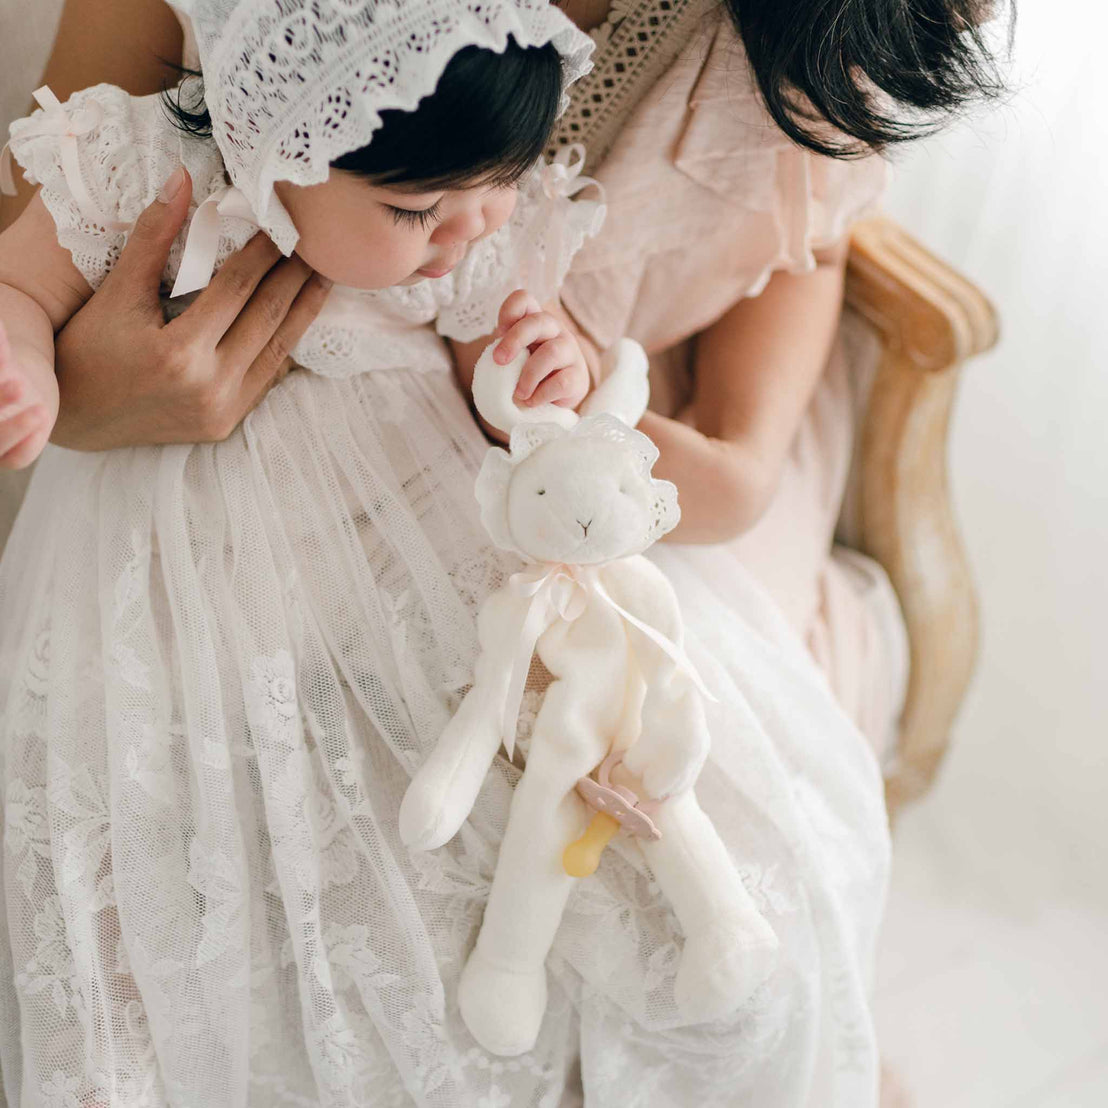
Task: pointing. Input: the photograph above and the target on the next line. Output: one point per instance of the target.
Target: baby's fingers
(567, 387)
(519, 304)
(531, 329)
(551, 356)
(15, 396)
(23, 436)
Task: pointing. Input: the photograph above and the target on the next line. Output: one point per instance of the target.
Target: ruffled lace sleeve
(101, 158)
(533, 250)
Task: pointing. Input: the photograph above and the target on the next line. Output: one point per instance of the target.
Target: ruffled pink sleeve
(707, 199)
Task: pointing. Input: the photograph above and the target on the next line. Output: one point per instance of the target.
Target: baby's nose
(465, 226)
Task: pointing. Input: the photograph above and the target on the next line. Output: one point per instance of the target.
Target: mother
(707, 197)
(733, 167)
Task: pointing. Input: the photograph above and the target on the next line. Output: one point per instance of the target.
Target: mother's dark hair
(879, 71)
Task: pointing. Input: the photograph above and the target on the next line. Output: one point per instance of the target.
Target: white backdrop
(1016, 200)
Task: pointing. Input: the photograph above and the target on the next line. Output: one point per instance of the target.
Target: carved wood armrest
(930, 320)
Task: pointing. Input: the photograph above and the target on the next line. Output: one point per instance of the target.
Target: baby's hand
(26, 418)
(556, 371)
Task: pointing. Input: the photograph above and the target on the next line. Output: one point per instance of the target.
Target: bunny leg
(502, 993)
(673, 740)
(730, 949)
(443, 791)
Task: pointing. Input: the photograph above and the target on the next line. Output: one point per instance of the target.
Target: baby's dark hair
(488, 121)
(879, 71)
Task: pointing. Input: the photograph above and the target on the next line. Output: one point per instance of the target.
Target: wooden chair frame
(930, 321)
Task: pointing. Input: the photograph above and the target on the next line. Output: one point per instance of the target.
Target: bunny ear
(528, 437)
(665, 511)
(493, 388)
(606, 425)
(491, 491)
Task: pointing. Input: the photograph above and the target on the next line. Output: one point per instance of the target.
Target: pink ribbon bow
(561, 180)
(202, 241)
(68, 125)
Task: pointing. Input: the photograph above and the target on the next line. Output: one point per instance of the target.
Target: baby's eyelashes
(416, 217)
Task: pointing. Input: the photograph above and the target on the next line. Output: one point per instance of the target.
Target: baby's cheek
(499, 208)
(369, 261)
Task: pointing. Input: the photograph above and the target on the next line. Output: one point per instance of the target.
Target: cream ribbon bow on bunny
(561, 591)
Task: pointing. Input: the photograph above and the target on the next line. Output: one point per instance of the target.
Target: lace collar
(635, 44)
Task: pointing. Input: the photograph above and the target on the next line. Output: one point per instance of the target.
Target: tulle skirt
(219, 667)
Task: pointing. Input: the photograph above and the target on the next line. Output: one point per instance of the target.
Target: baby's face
(372, 237)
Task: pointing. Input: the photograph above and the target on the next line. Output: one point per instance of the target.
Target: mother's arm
(125, 377)
(755, 372)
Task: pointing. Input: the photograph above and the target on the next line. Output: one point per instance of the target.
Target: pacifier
(616, 806)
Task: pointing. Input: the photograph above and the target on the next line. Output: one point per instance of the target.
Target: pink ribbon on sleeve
(67, 125)
(562, 179)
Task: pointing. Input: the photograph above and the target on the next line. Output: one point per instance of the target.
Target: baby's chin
(375, 284)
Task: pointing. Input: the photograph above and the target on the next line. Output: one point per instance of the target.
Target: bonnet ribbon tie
(202, 241)
(67, 125)
(561, 180)
(562, 591)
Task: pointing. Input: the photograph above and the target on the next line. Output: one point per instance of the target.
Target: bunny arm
(624, 388)
(443, 791)
(673, 740)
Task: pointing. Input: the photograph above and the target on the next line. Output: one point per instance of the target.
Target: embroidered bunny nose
(585, 527)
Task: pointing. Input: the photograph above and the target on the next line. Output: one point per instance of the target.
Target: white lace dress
(219, 666)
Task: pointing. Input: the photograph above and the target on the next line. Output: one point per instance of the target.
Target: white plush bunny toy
(576, 499)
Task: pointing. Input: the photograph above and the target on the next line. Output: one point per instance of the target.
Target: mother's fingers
(138, 272)
(271, 361)
(264, 314)
(219, 305)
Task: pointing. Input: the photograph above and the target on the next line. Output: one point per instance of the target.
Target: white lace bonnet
(292, 85)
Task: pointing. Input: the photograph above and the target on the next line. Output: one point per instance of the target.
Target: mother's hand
(128, 378)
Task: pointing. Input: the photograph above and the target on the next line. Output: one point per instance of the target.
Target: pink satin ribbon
(562, 179)
(202, 241)
(68, 125)
(560, 591)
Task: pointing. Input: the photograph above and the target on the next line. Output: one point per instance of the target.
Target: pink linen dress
(707, 199)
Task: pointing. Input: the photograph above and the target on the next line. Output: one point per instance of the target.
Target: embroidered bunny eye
(542, 492)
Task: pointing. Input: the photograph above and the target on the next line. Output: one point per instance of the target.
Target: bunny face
(581, 497)
(579, 501)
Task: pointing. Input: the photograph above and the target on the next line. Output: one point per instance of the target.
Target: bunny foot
(721, 967)
(502, 1006)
